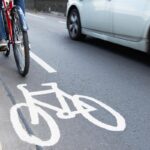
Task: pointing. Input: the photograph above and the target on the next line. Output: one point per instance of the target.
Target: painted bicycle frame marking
(35, 110)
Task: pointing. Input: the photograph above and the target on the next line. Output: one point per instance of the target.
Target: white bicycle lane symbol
(35, 108)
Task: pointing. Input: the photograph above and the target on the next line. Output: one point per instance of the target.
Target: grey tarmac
(115, 75)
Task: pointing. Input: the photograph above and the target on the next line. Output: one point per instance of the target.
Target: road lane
(92, 68)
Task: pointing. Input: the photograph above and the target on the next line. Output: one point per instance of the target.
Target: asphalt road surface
(113, 114)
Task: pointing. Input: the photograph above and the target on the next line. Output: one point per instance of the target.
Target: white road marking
(42, 63)
(36, 109)
(0, 146)
(33, 15)
(62, 22)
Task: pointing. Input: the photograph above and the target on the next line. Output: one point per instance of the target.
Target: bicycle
(63, 112)
(17, 36)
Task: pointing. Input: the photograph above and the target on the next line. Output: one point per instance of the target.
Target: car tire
(74, 25)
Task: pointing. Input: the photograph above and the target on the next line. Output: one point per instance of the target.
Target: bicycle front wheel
(20, 46)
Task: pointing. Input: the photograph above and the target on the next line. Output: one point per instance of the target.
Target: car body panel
(125, 22)
(99, 16)
(129, 18)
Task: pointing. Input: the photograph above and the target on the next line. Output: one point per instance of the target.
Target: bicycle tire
(23, 71)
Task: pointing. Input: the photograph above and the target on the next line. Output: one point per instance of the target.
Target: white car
(125, 22)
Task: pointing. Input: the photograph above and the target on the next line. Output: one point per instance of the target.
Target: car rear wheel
(74, 25)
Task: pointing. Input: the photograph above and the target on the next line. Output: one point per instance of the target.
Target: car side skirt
(135, 43)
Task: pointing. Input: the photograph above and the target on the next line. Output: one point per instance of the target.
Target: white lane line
(42, 63)
(41, 17)
(0, 146)
(62, 22)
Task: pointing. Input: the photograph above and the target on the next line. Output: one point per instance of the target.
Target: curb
(52, 13)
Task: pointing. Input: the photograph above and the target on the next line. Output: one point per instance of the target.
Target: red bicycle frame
(7, 9)
(16, 29)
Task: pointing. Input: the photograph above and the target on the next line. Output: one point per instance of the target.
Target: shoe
(3, 45)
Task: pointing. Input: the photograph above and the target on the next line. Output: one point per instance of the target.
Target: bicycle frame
(7, 11)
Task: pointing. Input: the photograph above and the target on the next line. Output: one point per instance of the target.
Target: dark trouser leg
(2, 28)
(20, 3)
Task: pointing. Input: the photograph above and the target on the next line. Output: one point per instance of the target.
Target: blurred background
(47, 5)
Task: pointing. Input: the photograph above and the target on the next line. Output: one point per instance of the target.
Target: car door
(96, 15)
(128, 18)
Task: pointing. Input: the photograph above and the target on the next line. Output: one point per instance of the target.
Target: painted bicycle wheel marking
(35, 108)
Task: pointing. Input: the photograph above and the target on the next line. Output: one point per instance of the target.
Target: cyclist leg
(21, 4)
(3, 42)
